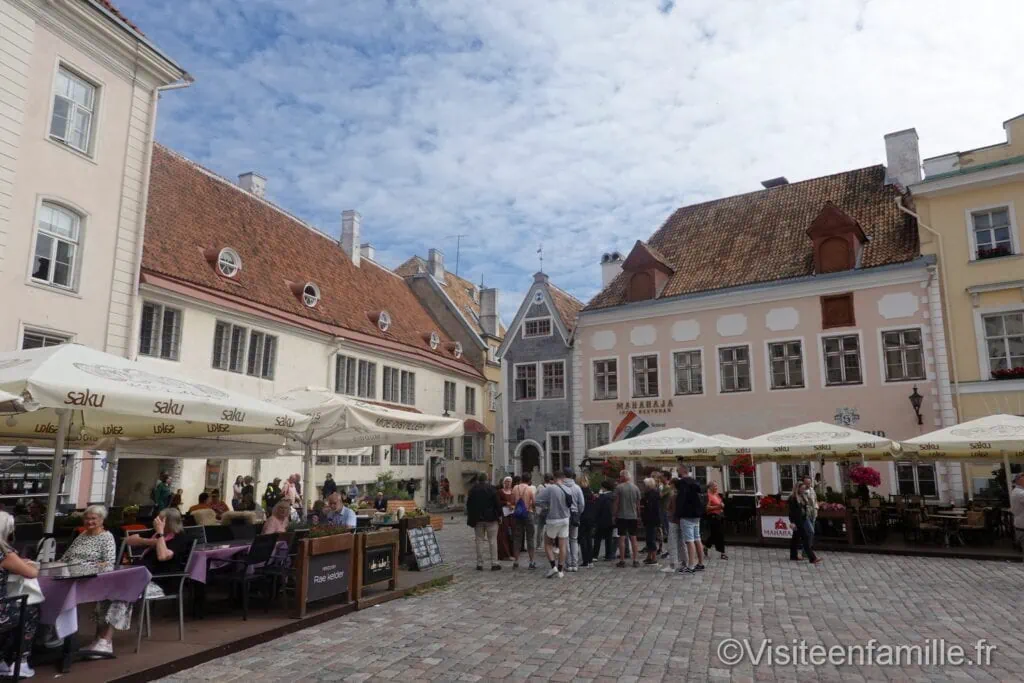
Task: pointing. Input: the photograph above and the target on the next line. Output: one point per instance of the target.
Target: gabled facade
(240, 294)
(968, 207)
(800, 302)
(79, 86)
(539, 384)
(469, 314)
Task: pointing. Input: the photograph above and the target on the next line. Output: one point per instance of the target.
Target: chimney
(350, 220)
(435, 264)
(367, 251)
(489, 311)
(611, 265)
(902, 159)
(253, 183)
(774, 182)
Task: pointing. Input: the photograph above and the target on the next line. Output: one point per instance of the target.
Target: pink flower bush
(865, 476)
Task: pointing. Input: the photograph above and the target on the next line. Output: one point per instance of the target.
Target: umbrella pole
(63, 423)
(256, 463)
(1009, 477)
(307, 476)
(112, 465)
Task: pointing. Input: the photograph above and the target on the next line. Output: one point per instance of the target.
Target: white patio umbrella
(667, 444)
(340, 422)
(996, 437)
(814, 441)
(89, 398)
(734, 442)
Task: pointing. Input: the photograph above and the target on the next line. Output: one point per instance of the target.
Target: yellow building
(967, 206)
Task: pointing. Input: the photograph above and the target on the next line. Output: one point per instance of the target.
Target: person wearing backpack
(524, 505)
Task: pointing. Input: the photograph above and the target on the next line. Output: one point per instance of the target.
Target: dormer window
(310, 295)
(837, 239)
(647, 273)
(434, 340)
(229, 263)
(641, 286)
(456, 349)
(384, 321)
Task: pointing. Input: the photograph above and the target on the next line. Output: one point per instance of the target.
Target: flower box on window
(993, 252)
(1008, 373)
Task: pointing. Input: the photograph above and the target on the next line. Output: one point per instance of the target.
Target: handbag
(19, 585)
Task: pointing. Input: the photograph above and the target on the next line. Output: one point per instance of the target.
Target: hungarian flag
(631, 425)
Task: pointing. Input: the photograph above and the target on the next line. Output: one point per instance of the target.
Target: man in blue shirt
(338, 514)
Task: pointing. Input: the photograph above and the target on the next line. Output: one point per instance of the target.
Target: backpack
(521, 513)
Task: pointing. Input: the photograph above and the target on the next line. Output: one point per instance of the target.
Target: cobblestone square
(630, 625)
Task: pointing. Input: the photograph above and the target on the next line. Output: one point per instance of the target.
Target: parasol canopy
(814, 441)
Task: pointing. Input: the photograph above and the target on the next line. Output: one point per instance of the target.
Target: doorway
(529, 456)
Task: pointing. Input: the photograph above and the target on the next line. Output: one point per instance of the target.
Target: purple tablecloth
(63, 596)
(199, 560)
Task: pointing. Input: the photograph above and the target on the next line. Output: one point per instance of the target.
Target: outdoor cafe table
(950, 525)
(199, 562)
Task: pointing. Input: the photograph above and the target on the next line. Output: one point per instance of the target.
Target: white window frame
(79, 245)
(259, 370)
(44, 332)
(718, 369)
(354, 373)
(925, 353)
(917, 479)
(972, 243)
(369, 390)
(391, 385)
(536, 380)
(157, 331)
(243, 347)
(453, 405)
(985, 369)
(703, 371)
(632, 383)
(236, 264)
(769, 377)
(593, 377)
(98, 86)
(469, 394)
(821, 356)
(550, 454)
(601, 423)
(540, 381)
(778, 474)
(551, 327)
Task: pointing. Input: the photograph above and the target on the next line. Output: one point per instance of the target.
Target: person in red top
(216, 504)
(716, 519)
(524, 527)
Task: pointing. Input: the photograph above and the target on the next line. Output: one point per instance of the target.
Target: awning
(471, 426)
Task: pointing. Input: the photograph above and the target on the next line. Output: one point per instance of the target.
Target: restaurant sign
(775, 526)
(378, 564)
(645, 407)
(328, 575)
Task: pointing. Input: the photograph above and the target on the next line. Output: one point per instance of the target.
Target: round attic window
(538, 298)
(435, 341)
(384, 321)
(310, 295)
(457, 350)
(229, 263)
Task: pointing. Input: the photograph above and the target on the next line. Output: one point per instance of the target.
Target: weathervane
(540, 252)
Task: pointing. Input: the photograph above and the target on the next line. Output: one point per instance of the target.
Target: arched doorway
(529, 455)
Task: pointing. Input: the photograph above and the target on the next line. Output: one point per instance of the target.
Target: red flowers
(865, 476)
(743, 464)
(1008, 373)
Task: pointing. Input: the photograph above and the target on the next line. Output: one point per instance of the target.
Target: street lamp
(915, 400)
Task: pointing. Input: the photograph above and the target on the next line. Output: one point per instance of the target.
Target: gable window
(262, 355)
(689, 376)
(1004, 340)
(916, 479)
(553, 374)
(32, 339)
(992, 236)
(74, 104)
(837, 311)
(229, 346)
(788, 475)
(538, 327)
(606, 379)
(645, 376)
(904, 358)
(345, 373)
(57, 238)
(561, 452)
(526, 382)
(596, 434)
(160, 332)
(734, 368)
(470, 401)
(787, 364)
(449, 397)
(842, 360)
(366, 384)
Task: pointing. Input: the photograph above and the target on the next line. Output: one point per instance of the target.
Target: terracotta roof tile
(192, 211)
(457, 288)
(762, 236)
(567, 305)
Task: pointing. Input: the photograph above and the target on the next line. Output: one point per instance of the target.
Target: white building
(238, 293)
(79, 85)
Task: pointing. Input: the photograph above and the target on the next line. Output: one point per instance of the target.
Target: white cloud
(579, 125)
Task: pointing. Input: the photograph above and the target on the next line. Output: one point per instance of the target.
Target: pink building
(743, 315)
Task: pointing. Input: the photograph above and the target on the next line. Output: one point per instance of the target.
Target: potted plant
(864, 477)
(1008, 373)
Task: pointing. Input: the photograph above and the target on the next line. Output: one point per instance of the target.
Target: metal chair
(196, 533)
(242, 530)
(133, 552)
(145, 616)
(249, 568)
(8, 605)
(219, 534)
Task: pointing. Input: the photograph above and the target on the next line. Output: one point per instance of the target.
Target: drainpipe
(950, 338)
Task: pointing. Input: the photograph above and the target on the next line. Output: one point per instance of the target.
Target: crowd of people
(569, 522)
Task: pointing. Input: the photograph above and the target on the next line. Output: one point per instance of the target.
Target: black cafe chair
(9, 605)
(219, 534)
(249, 569)
(195, 533)
(145, 616)
(242, 530)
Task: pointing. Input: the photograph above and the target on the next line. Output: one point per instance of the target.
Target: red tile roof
(762, 236)
(193, 214)
(567, 306)
(457, 288)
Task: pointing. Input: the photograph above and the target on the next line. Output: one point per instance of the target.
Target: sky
(574, 126)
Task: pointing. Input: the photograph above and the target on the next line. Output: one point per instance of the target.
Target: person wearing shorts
(556, 526)
(689, 510)
(626, 510)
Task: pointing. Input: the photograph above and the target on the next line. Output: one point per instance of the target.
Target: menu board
(328, 575)
(425, 547)
(378, 564)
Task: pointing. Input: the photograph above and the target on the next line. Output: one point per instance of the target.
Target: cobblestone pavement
(609, 624)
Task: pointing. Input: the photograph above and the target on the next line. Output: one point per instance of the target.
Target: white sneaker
(6, 670)
(100, 646)
(551, 572)
(26, 670)
(668, 570)
(561, 575)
